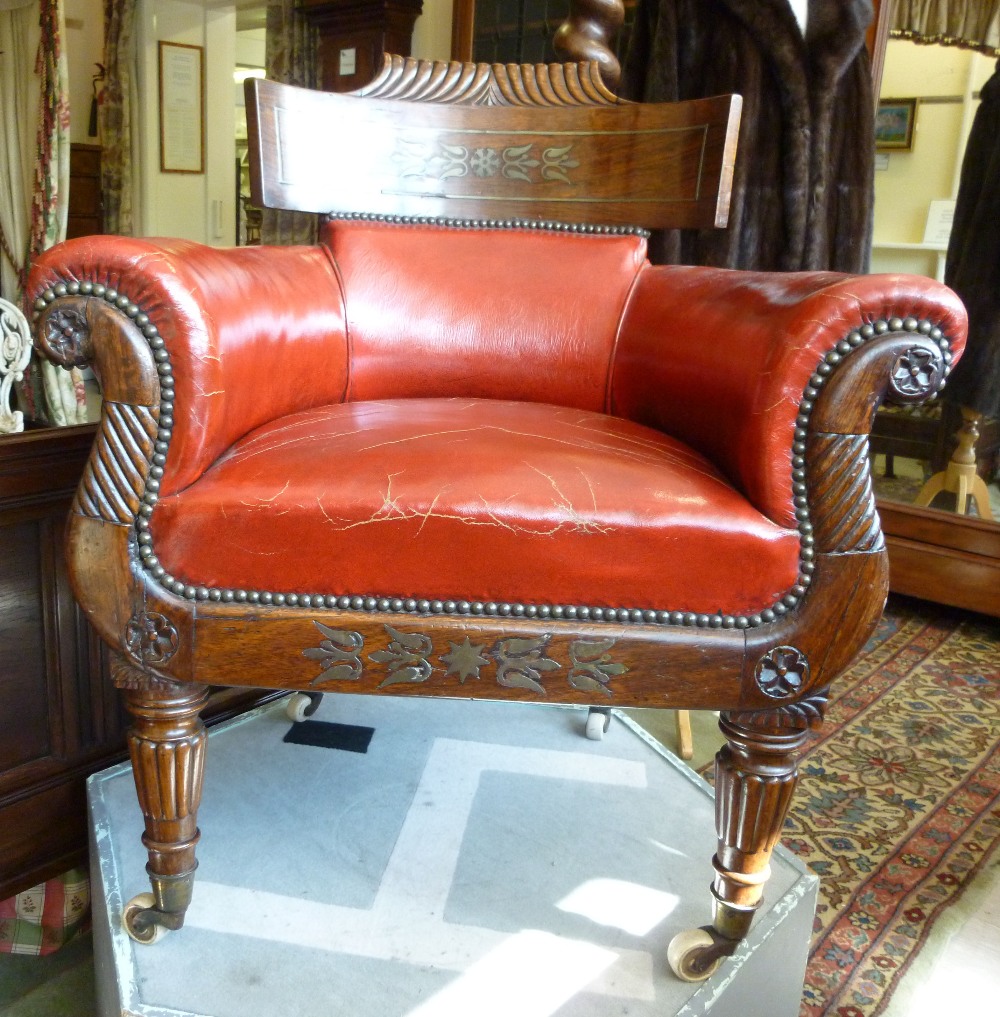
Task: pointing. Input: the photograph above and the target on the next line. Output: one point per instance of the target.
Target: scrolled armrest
(199, 334)
(744, 365)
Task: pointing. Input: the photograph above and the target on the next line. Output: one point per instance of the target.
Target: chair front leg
(755, 775)
(166, 743)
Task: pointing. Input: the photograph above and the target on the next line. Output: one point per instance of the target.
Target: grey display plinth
(479, 858)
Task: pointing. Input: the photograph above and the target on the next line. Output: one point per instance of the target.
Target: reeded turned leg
(167, 746)
(755, 775)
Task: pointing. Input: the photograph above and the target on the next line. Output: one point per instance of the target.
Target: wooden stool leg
(167, 746)
(685, 740)
(755, 775)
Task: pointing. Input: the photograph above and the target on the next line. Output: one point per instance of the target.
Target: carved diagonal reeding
(844, 518)
(115, 475)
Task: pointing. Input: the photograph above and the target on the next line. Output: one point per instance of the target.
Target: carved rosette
(65, 337)
(150, 638)
(917, 373)
(782, 672)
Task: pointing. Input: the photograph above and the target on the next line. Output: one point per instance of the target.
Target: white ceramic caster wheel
(685, 949)
(297, 707)
(151, 933)
(596, 726)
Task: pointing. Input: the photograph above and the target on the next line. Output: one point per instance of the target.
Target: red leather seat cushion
(475, 500)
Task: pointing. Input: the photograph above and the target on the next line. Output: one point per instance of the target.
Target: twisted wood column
(587, 34)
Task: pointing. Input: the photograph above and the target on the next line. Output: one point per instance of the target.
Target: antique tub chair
(472, 444)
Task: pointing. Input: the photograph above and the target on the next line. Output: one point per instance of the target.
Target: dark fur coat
(802, 194)
(973, 265)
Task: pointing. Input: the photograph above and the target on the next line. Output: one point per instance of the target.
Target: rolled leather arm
(250, 333)
(741, 365)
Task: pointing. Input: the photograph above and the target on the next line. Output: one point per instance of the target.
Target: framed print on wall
(894, 125)
(182, 108)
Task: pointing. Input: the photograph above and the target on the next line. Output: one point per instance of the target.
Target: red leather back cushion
(497, 314)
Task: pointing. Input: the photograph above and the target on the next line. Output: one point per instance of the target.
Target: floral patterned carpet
(898, 805)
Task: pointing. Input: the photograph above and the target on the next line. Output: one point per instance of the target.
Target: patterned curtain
(37, 136)
(114, 117)
(972, 24)
(290, 55)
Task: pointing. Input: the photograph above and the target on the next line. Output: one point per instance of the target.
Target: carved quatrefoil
(151, 638)
(782, 672)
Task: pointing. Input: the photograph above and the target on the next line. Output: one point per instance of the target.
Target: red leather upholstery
(398, 493)
(253, 332)
(498, 314)
(476, 500)
(720, 358)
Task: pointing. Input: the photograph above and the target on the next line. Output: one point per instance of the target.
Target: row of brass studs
(422, 606)
(488, 224)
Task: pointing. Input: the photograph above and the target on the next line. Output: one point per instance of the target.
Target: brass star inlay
(465, 660)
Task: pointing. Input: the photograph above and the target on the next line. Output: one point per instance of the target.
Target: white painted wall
(432, 31)
(84, 47)
(194, 206)
(911, 180)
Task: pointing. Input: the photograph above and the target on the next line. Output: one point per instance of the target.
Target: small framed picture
(894, 125)
(182, 108)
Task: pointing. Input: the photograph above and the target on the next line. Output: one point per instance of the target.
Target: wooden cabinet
(354, 35)
(86, 211)
(60, 716)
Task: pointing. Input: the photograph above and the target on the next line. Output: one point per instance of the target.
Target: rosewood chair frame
(768, 672)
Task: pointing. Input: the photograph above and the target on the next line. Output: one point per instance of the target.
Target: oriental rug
(898, 805)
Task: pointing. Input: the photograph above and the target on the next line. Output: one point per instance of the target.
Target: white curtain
(19, 36)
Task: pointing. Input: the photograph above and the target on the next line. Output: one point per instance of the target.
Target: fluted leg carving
(756, 772)
(167, 746)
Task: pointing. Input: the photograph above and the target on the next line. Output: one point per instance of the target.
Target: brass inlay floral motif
(407, 656)
(520, 663)
(520, 660)
(338, 655)
(513, 162)
(592, 668)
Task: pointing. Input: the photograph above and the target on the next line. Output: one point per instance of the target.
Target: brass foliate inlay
(406, 656)
(592, 668)
(338, 654)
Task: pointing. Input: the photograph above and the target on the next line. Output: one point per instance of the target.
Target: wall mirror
(926, 459)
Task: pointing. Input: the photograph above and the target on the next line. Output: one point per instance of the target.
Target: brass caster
(695, 954)
(143, 921)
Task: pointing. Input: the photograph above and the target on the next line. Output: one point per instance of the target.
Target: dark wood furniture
(463, 535)
(86, 206)
(60, 716)
(355, 35)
